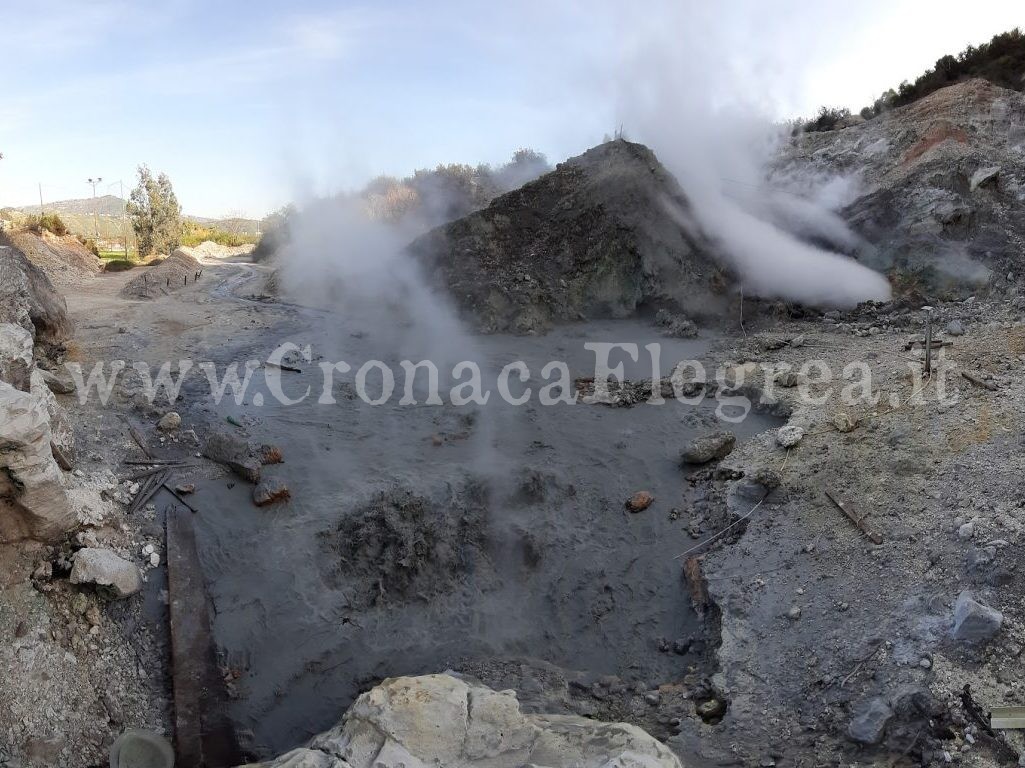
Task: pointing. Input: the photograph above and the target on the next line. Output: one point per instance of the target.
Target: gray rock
(169, 422)
(269, 492)
(984, 176)
(441, 720)
(28, 299)
(234, 453)
(59, 382)
(955, 328)
(106, 570)
(870, 720)
(974, 621)
(789, 435)
(708, 448)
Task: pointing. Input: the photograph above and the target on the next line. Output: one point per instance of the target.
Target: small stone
(93, 616)
(955, 328)
(713, 709)
(966, 531)
(794, 613)
(925, 662)
(787, 379)
(652, 698)
(707, 448)
(154, 559)
(640, 501)
(870, 721)
(148, 550)
(843, 421)
(185, 489)
(169, 422)
(974, 621)
(269, 492)
(789, 435)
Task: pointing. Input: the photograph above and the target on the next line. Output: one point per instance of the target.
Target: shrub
(118, 265)
(48, 222)
(90, 245)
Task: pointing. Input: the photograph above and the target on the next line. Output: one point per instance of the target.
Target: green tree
(156, 214)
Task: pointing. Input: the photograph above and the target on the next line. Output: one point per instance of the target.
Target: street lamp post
(96, 218)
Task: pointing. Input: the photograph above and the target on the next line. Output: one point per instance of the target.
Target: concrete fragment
(106, 570)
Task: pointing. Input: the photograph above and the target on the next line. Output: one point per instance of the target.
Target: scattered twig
(979, 381)
(873, 536)
(861, 662)
(137, 437)
(154, 462)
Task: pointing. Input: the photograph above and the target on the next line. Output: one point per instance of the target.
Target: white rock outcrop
(442, 720)
(33, 501)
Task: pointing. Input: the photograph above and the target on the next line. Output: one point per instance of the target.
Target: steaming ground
(513, 533)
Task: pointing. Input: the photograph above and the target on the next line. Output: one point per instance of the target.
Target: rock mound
(28, 299)
(941, 186)
(211, 250)
(441, 720)
(602, 235)
(64, 259)
(171, 274)
(402, 546)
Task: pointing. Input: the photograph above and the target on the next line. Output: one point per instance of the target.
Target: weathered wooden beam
(204, 736)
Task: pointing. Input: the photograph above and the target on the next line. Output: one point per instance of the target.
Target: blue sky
(249, 105)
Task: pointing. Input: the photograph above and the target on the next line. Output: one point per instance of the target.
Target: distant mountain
(106, 205)
(86, 215)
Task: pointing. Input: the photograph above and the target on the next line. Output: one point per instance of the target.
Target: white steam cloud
(677, 95)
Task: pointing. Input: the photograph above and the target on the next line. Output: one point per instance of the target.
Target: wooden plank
(204, 736)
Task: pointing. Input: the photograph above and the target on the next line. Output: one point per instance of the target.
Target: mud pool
(423, 538)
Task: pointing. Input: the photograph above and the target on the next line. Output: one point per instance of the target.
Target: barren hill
(600, 236)
(941, 185)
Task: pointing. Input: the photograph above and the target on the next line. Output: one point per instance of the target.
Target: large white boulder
(33, 501)
(441, 720)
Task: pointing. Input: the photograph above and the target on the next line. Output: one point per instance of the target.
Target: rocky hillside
(593, 238)
(941, 195)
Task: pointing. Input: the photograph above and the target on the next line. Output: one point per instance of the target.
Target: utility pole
(96, 217)
(120, 184)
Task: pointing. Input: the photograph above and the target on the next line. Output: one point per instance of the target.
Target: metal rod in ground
(928, 345)
(151, 486)
(177, 495)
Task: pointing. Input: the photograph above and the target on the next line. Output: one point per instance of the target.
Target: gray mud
(420, 538)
